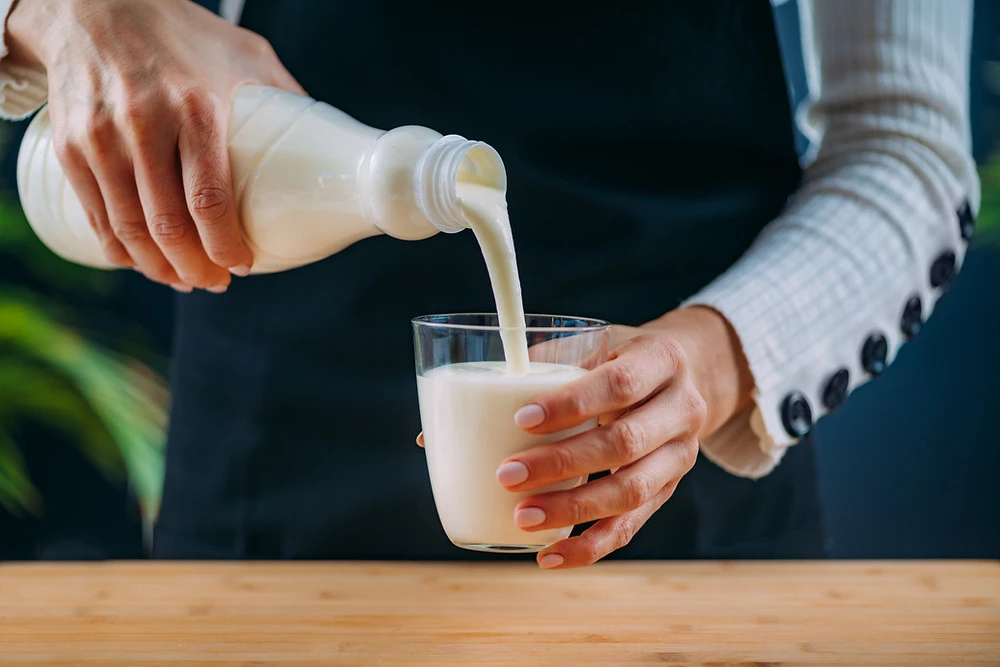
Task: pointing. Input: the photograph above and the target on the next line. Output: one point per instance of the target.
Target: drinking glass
(467, 404)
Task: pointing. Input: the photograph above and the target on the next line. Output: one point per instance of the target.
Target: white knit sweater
(864, 249)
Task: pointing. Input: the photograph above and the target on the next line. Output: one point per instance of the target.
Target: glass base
(502, 548)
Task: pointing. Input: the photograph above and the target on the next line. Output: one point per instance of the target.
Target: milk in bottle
(309, 180)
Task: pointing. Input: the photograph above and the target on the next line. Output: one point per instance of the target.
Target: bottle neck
(447, 162)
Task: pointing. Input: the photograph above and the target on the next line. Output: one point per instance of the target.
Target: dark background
(908, 465)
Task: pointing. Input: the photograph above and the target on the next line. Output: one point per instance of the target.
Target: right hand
(140, 96)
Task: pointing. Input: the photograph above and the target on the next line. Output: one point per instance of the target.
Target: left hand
(668, 383)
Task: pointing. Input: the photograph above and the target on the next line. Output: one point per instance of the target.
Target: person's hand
(667, 384)
(140, 95)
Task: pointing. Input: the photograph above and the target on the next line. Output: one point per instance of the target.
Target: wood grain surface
(711, 614)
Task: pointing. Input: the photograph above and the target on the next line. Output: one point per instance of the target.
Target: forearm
(874, 236)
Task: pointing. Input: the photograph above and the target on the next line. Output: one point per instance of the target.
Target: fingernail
(217, 289)
(181, 287)
(420, 439)
(529, 416)
(549, 561)
(512, 473)
(243, 270)
(529, 516)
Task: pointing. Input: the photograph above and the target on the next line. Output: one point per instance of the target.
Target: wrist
(29, 31)
(716, 360)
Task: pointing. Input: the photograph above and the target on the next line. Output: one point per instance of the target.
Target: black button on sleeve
(874, 353)
(943, 270)
(966, 223)
(913, 317)
(835, 391)
(796, 415)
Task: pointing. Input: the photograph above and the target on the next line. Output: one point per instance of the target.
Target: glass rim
(592, 325)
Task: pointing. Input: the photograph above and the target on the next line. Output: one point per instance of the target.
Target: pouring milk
(485, 209)
(309, 181)
(467, 409)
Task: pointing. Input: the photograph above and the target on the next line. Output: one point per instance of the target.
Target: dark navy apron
(647, 143)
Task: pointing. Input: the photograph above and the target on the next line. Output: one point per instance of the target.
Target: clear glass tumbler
(467, 405)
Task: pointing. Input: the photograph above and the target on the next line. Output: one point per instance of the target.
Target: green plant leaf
(29, 391)
(988, 220)
(17, 494)
(115, 406)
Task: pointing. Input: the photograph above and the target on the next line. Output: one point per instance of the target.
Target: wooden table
(714, 614)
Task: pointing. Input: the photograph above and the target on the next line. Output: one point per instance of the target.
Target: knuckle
(129, 231)
(624, 530)
(98, 129)
(697, 408)
(169, 229)
(261, 45)
(67, 152)
(626, 441)
(139, 119)
(635, 490)
(574, 405)
(671, 353)
(209, 200)
(624, 383)
(577, 509)
(196, 105)
(560, 463)
(590, 553)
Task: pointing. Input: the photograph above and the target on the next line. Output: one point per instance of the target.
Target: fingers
(637, 369)
(420, 439)
(157, 178)
(628, 489)
(85, 186)
(108, 159)
(204, 155)
(674, 412)
(146, 134)
(125, 172)
(603, 537)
